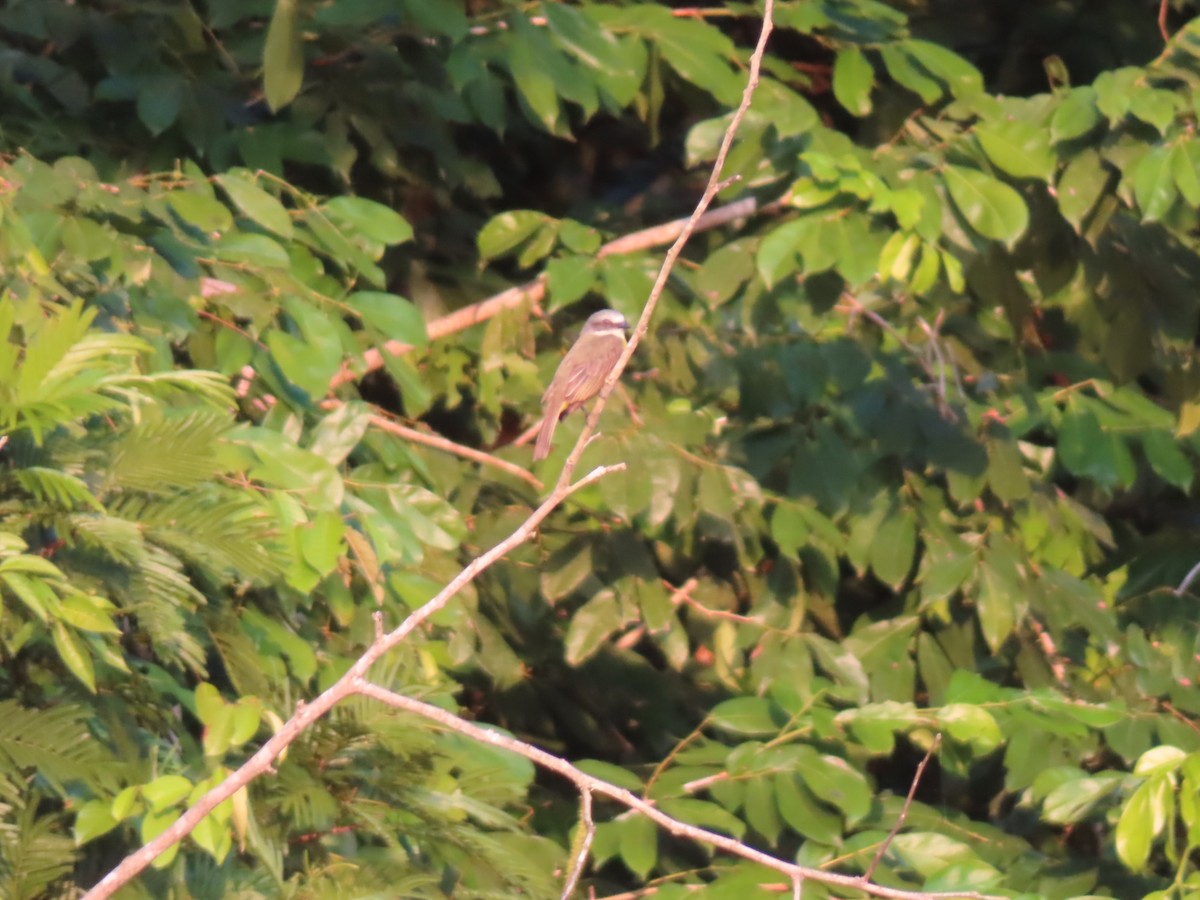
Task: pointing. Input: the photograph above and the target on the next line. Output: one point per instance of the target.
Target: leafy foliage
(913, 451)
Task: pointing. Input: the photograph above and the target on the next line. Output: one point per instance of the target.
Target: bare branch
(588, 826)
(440, 443)
(584, 782)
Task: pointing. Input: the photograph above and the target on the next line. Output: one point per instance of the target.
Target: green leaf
(971, 725)
(611, 773)
(154, 824)
(88, 614)
(1080, 186)
(508, 230)
(1115, 91)
(1076, 115)
(907, 73)
(704, 814)
(834, 781)
(894, 545)
(638, 844)
(535, 84)
(74, 654)
(697, 51)
(1018, 147)
(303, 368)
(997, 602)
(93, 820)
(158, 102)
(803, 813)
(253, 249)
(201, 211)
(283, 56)
(255, 203)
(991, 207)
(166, 791)
(1154, 183)
(852, 80)
(568, 279)
(1156, 107)
(1006, 470)
(1185, 169)
(1167, 460)
(1089, 452)
(778, 253)
(373, 220)
(1135, 827)
(745, 715)
(761, 810)
(960, 76)
(591, 625)
(392, 316)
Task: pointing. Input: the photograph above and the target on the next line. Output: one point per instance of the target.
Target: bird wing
(584, 380)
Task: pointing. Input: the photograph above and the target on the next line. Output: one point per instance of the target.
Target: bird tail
(541, 449)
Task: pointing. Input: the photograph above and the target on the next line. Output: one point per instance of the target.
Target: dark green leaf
(638, 844)
(591, 625)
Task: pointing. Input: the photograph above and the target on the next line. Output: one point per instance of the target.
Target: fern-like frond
(240, 657)
(221, 530)
(193, 384)
(53, 487)
(162, 599)
(113, 536)
(33, 855)
(53, 379)
(162, 451)
(54, 742)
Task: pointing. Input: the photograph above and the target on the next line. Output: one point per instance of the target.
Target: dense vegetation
(910, 452)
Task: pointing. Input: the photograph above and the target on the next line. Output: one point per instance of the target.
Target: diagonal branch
(440, 443)
(589, 784)
(308, 713)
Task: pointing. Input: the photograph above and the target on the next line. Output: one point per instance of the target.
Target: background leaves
(910, 451)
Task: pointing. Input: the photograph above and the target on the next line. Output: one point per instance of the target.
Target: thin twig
(912, 791)
(308, 713)
(1187, 580)
(440, 443)
(588, 824)
(1162, 22)
(582, 781)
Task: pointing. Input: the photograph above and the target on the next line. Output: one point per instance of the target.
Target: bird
(582, 372)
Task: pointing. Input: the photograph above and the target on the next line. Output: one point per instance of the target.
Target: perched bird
(582, 372)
